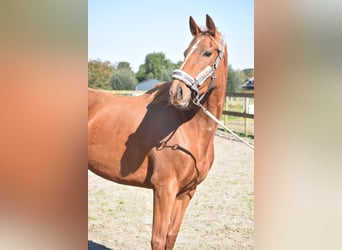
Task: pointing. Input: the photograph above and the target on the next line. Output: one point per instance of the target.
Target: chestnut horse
(162, 140)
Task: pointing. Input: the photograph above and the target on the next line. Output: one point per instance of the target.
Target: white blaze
(191, 51)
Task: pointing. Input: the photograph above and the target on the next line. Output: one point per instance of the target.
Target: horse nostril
(179, 93)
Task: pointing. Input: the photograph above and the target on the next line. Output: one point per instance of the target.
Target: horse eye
(207, 53)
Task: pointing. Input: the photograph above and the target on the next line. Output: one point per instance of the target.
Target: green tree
(123, 79)
(245, 74)
(166, 74)
(156, 66)
(249, 72)
(99, 74)
(124, 65)
(233, 80)
(242, 75)
(178, 64)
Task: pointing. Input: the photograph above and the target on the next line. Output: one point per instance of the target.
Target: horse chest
(205, 164)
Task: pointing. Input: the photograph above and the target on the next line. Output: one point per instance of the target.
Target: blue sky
(129, 30)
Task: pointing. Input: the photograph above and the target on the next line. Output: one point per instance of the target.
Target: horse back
(95, 98)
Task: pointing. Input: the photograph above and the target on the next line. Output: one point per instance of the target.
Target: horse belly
(112, 168)
(112, 154)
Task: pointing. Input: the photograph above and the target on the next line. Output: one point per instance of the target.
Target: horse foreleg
(178, 211)
(163, 201)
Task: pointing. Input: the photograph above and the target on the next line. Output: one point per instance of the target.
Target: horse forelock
(218, 38)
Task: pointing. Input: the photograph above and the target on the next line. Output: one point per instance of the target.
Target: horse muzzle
(180, 95)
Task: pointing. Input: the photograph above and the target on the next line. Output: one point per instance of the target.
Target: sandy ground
(220, 216)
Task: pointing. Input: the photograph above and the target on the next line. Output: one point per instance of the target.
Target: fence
(243, 109)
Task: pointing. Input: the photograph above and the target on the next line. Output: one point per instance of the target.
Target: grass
(91, 218)
(236, 105)
(250, 202)
(237, 124)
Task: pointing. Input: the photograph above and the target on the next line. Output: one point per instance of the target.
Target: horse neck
(215, 101)
(214, 104)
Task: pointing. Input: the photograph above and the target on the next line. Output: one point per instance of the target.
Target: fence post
(226, 106)
(245, 111)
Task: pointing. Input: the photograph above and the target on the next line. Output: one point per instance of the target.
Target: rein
(195, 83)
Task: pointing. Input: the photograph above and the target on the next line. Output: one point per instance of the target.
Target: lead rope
(210, 115)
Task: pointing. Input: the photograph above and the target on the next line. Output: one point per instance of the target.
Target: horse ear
(211, 25)
(195, 30)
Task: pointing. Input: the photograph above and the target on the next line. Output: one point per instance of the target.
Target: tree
(249, 72)
(166, 74)
(242, 75)
(156, 66)
(178, 64)
(123, 79)
(233, 80)
(124, 65)
(245, 74)
(99, 74)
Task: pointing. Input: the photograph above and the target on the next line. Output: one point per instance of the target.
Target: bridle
(194, 83)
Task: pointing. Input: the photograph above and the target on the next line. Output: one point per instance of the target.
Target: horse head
(196, 77)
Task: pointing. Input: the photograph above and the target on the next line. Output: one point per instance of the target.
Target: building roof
(146, 85)
(249, 83)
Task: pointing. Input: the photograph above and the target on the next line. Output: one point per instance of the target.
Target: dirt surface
(220, 216)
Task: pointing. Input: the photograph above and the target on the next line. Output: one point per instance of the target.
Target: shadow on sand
(96, 246)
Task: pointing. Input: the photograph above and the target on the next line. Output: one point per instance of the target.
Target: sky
(129, 30)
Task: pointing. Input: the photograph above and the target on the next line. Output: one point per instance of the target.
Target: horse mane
(160, 93)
